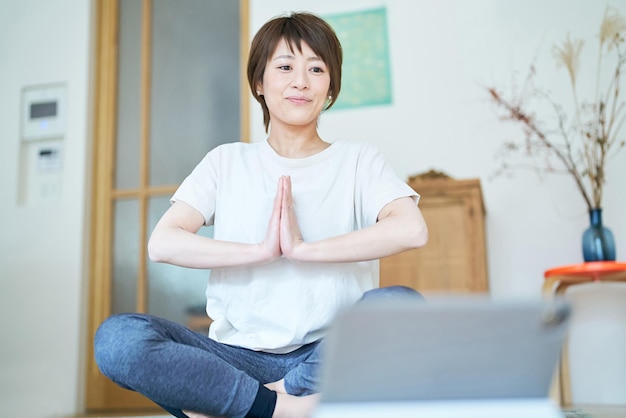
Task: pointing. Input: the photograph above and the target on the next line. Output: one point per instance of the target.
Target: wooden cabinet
(454, 260)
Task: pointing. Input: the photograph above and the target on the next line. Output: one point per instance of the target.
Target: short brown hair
(294, 29)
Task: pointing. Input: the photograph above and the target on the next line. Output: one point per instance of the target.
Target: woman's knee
(120, 344)
(392, 292)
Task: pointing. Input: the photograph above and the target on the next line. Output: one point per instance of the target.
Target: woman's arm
(174, 240)
(400, 227)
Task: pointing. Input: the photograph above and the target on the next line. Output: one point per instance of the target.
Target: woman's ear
(259, 89)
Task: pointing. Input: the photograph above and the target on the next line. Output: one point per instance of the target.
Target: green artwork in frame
(366, 79)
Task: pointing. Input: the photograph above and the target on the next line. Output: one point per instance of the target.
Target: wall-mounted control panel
(43, 112)
(43, 130)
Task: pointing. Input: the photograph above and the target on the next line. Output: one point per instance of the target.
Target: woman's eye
(317, 70)
(285, 67)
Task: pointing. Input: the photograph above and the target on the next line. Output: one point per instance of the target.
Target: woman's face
(295, 86)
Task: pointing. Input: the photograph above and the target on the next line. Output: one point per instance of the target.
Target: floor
(585, 411)
(588, 411)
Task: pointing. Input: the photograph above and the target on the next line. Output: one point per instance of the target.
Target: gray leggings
(183, 370)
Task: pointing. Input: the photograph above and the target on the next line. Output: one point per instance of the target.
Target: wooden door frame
(103, 163)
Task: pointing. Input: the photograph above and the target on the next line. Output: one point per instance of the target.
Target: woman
(298, 225)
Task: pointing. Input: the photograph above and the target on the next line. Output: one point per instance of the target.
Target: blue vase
(598, 241)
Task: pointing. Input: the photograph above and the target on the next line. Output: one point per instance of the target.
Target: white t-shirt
(282, 305)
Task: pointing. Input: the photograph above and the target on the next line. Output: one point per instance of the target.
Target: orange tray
(592, 268)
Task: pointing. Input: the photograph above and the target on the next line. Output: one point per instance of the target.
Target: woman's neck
(296, 144)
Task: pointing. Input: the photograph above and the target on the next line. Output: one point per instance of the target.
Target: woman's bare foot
(197, 415)
(289, 406)
(278, 386)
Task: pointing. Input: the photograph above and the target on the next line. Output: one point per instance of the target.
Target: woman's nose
(300, 79)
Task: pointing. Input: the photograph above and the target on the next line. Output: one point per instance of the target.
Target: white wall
(442, 54)
(42, 245)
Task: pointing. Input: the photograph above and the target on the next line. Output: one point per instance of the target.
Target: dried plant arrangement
(579, 142)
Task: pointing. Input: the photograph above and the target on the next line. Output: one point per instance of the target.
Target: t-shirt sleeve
(378, 185)
(199, 189)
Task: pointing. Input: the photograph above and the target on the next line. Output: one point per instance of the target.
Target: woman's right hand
(271, 244)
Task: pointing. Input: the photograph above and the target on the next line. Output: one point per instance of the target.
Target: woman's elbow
(417, 235)
(156, 252)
